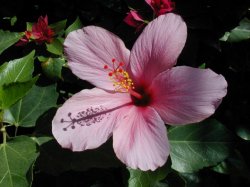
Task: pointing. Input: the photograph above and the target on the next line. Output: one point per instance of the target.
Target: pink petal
(136, 15)
(185, 95)
(158, 46)
(89, 49)
(97, 109)
(140, 139)
(149, 2)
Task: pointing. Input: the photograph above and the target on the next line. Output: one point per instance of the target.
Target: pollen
(119, 77)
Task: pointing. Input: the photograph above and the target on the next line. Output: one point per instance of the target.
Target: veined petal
(185, 95)
(158, 46)
(86, 120)
(140, 139)
(89, 49)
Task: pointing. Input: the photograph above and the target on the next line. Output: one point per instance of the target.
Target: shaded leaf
(42, 139)
(240, 33)
(7, 39)
(198, 145)
(58, 27)
(77, 24)
(16, 157)
(243, 132)
(140, 178)
(234, 165)
(27, 110)
(52, 67)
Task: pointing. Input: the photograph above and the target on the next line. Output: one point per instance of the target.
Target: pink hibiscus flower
(134, 19)
(160, 7)
(136, 92)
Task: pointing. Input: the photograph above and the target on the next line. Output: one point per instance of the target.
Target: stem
(3, 130)
(16, 129)
(135, 94)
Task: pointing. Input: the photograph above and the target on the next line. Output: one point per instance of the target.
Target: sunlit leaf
(242, 32)
(198, 145)
(16, 157)
(77, 24)
(18, 70)
(56, 47)
(29, 26)
(27, 110)
(11, 93)
(7, 39)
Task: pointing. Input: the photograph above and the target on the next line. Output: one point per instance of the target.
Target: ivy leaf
(27, 110)
(11, 93)
(52, 67)
(16, 157)
(58, 27)
(198, 145)
(7, 39)
(56, 47)
(77, 24)
(18, 70)
(234, 165)
(140, 178)
(240, 33)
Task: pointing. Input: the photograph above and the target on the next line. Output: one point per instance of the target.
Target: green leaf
(56, 47)
(7, 39)
(29, 26)
(140, 178)
(16, 157)
(52, 67)
(198, 145)
(202, 66)
(240, 33)
(77, 24)
(58, 27)
(243, 132)
(18, 70)
(234, 165)
(42, 139)
(27, 110)
(11, 93)
(11, 19)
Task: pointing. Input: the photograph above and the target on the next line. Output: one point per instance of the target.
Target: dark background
(207, 21)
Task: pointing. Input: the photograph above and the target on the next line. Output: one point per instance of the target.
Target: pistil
(121, 80)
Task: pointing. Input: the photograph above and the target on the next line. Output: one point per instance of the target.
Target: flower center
(145, 97)
(124, 84)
